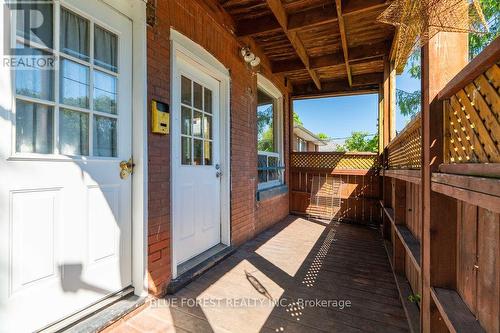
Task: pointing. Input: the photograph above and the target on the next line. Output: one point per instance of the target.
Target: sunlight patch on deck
(232, 304)
(290, 247)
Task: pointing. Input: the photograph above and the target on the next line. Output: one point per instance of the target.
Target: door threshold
(99, 315)
(194, 267)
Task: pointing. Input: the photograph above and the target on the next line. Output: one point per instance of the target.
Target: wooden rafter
(356, 54)
(306, 19)
(362, 84)
(282, 18)
(343, 37)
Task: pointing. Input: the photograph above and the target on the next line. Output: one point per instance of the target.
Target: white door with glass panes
(196, 161)
(65, 207)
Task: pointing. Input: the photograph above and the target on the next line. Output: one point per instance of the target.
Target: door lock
(218, 174)
(126, 168)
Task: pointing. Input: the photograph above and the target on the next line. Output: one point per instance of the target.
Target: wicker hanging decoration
(417, 21)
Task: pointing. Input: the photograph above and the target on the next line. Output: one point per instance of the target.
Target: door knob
(218, 174)
(126, 168)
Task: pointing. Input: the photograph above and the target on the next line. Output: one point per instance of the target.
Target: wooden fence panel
(472, 117)
(358, 173)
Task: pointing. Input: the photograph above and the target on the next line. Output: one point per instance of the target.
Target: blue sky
(339, 116)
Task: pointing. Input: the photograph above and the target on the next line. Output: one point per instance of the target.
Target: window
(196, 123)
(269, 134)
(70, 108)
(301, 144)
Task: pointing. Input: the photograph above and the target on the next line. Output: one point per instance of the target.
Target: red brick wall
(205, 24)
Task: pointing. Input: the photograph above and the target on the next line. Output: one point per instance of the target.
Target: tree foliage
(359, 141)
(297, 120)
(322, 136)
(265, 140)
(477, 42)
(409, 102)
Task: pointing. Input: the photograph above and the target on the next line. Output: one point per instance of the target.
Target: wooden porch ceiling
(322, 47)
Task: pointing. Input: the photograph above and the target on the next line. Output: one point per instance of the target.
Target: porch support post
(381, 119)
(389, 103)
(392, 101)
(442, 58)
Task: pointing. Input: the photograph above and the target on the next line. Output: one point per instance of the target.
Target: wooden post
(386, 103)
(381, 119)
(389, 102)
(442, 58)
(392, 101)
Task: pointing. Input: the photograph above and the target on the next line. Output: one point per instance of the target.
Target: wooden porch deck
(296, 260)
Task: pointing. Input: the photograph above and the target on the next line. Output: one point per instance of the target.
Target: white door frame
(135, 11)
(182, 46)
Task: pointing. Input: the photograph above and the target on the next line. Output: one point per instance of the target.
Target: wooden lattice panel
(473, 121)
(334, 160)
(404, 152)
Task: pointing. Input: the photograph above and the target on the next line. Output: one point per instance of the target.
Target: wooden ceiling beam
(311, 18)
(343, 38)
(359, 53)
(359, 6)
(282, 18)
(362, 84)
(305, 19)
(335, 88)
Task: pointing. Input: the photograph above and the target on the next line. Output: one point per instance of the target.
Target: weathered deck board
(340, 262)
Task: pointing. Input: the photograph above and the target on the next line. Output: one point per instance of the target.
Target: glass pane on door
(105, 49)
(34, 82)
(73, 132)
(75, 35)
(75, 84)
(104, 137)
(34, 124)
(104, 92)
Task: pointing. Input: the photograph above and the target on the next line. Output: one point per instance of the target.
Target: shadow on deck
(317, 278)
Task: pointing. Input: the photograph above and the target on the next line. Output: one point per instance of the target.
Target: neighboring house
(330, 145)
(305, 140)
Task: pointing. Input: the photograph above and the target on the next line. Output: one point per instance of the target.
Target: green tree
(297, 120)
(360, 142)
(477, 42)
(322, 136)
(409, 102)
(266, 142)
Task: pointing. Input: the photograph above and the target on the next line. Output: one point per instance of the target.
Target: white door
(65, 213)
(196, 160)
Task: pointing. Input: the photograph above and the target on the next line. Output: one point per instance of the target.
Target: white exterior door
(196, 160)
(65, 213)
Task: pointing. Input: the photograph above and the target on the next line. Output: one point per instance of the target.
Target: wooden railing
(404, 152)
(358, 174)
(334, 161)
(461, 198)
(472, 117)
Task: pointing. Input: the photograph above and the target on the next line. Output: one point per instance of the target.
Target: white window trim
(268, 87)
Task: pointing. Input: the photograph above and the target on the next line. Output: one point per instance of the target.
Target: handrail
(334, 160)
(414, 122)
(404, 151)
